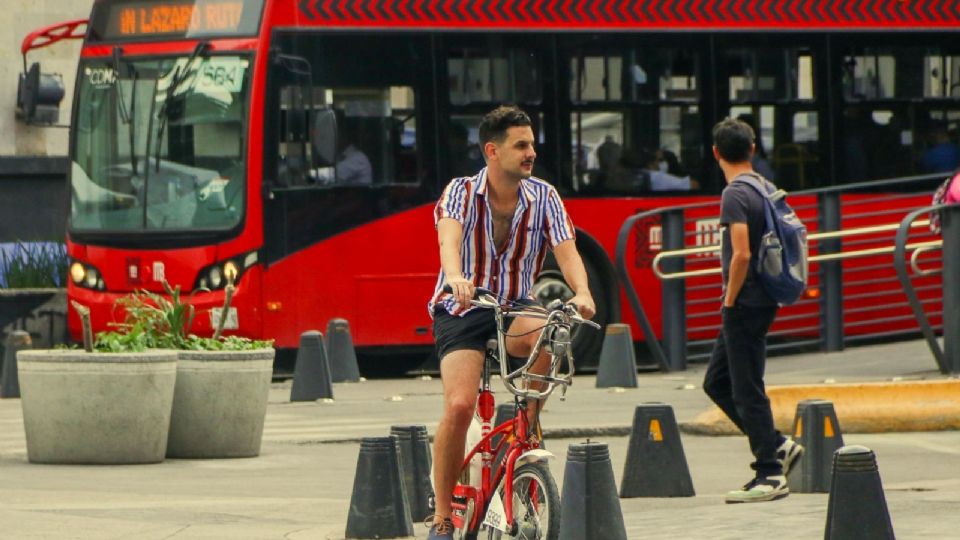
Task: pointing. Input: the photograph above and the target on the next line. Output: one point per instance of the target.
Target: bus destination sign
(125, 20)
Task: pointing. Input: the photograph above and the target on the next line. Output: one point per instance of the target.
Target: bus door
(771, 82)
(346, 218)
(634, 107)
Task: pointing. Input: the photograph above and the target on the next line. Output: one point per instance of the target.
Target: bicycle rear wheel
(536, 505)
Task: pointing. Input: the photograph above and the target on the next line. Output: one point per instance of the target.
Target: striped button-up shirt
(539, 221)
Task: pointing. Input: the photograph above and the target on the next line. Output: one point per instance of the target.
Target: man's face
(515, 155)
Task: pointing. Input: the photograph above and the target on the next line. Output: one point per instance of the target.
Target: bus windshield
(158, 143)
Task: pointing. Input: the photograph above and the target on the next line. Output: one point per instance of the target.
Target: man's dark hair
(495, 124)
(733, 139)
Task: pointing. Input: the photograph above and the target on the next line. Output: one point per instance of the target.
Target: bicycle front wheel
(536, 505)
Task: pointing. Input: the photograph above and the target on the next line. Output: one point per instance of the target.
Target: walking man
(493, 229)
(734, 378)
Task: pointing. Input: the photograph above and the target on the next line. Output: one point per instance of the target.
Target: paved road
(300, 486)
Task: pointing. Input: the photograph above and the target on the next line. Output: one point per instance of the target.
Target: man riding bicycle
(493, 229)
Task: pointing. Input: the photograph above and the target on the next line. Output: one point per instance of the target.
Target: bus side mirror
(323, 138)
(39, 96)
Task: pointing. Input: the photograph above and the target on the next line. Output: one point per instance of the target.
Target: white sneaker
(762, 488)
(788, 454)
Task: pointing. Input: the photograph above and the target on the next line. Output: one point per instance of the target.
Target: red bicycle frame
(515, 435)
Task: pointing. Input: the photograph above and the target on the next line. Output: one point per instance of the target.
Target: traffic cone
(311, 375)
(815, 426)
(618, 364)
(378, 506)
(18, 340)
(343, 358)
(857, 508)
(590, 507)
(505, 411)
(415, 464)
(656, 465)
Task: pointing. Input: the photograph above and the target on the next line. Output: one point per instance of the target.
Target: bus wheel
(550, 285)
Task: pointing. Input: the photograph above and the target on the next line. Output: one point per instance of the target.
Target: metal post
(831, 276)
(950, 223)
(674, 292)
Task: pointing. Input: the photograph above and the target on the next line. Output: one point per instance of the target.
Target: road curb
(861, 408)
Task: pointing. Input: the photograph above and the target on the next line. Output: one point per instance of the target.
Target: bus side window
(376, 136)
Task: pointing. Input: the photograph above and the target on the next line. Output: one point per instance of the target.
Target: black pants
(734, 381)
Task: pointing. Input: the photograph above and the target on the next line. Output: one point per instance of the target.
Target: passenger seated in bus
(646, 170)
(628, 174)
(669, 162)
(353, 165)
(608, 154)
(942, 155)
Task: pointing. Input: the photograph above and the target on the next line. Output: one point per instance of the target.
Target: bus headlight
(216, 276)
(77, 272)
(230, 271)
(86, 276)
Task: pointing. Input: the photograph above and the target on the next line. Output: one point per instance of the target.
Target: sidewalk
(300, 486)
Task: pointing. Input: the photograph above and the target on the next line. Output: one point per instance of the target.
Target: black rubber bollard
(18, 340)
(379, 506)
(815, 426)
(590, 507)
(857, 508)
(618, 364)
(416, 464)
(311, 375)
(343, 358)
(656, 465)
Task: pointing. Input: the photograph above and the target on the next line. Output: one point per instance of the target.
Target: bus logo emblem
(133, 270)
(158, 271)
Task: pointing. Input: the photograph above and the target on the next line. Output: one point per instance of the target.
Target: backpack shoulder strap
(763, 186)
(755, 181)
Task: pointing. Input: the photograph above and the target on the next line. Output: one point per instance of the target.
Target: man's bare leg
(526, 330)
(460, 372)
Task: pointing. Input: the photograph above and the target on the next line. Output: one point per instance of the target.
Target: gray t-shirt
(740, 203)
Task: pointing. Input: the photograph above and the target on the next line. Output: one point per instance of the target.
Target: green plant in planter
(155, 321)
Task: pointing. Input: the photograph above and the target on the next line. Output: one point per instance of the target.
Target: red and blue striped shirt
(539, 221)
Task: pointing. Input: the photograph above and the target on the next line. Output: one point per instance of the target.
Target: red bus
(302, 144)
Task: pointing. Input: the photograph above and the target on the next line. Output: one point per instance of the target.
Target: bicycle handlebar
(555, 335)
(485, 298)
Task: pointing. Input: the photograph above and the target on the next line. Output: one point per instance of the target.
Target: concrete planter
(97, 408)
(220, 403)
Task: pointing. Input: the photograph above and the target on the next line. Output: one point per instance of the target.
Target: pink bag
(948, 192)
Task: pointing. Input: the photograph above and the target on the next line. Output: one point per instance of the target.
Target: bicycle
(515, 493)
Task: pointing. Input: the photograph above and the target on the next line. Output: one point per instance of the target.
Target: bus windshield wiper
(126, 116)
(176, 80)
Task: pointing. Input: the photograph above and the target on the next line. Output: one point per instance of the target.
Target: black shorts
(469, 332)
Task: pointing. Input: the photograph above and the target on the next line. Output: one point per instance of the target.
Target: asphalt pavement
(300, 485)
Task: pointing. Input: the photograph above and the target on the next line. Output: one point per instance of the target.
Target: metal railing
(948, 358)
(854, 294)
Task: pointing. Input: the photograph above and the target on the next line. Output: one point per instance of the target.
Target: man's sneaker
(442, 530)
(762, 488)
(788, 454)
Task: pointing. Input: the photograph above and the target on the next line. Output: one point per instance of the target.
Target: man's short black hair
(495, 124)
(734, 140)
